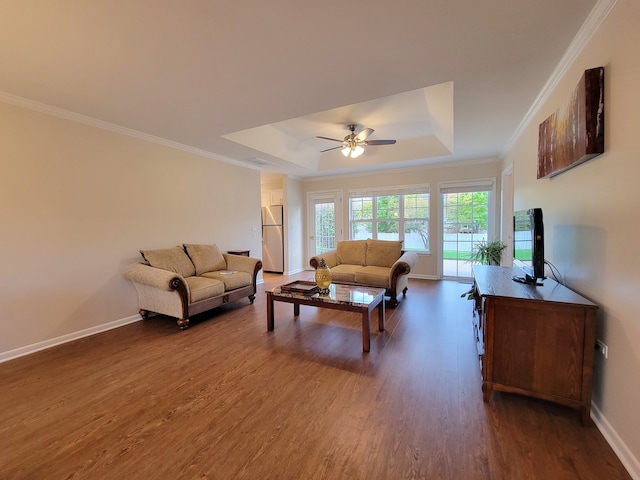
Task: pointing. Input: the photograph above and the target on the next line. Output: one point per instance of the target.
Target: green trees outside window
(465, 223)
(392, 217)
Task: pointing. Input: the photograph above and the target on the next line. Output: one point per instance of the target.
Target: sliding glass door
(466, 221)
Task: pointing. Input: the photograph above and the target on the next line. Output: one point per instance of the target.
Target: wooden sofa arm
(150, 277)
(154, 277)
(404, 264)
(244, 264)
(329, 258)
(399, 269)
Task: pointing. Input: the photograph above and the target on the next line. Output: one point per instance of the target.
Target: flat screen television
(528, 245)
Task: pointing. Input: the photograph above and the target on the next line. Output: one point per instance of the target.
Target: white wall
(296, 214)
(77, 203)
(591, 220)
(427, 266)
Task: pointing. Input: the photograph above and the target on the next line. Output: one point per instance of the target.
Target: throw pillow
(383, 253)
(171, 259)
(351, 252)
(206, 258)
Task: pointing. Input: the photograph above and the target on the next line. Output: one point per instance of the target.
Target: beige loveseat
(183, 281)
(375, 263)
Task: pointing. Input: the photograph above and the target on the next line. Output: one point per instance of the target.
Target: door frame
(506, 213)
(487, 184)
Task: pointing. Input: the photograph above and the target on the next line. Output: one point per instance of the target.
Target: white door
(325, 221)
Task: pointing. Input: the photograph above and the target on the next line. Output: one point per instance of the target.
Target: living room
(81, 197)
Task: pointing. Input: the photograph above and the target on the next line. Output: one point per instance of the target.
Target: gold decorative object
(323, 276)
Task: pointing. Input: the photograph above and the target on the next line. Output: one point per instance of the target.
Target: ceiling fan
(353, 145)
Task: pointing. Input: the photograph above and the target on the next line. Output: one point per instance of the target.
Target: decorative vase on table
(323, 276)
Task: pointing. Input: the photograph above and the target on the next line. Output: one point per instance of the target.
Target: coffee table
(350, 298)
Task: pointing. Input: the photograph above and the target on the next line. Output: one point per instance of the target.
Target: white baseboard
(421, 276)
(625, 455)
(294, 271)
(36, 347)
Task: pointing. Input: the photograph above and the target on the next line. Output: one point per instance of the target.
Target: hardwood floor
(226, 399)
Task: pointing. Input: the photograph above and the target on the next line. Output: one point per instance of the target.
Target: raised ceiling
(256, 82)
(421, 121)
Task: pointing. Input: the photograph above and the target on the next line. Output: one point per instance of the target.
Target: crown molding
(112, 127)
(414, 168)
(591, 25)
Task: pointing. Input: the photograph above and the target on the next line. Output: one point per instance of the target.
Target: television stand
(525, 332)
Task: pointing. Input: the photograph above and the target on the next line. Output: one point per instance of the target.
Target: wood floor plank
(225, 399)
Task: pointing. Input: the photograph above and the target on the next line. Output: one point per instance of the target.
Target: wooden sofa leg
(252, 298)
(393, 301)
(144, 314)
(404, 291)
(183, 324)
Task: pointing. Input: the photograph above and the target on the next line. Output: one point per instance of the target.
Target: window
(396, 214)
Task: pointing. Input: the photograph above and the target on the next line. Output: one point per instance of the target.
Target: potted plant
(488, 253)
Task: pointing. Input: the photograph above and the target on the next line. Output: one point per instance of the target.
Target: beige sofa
(376, 263)
(183, 281)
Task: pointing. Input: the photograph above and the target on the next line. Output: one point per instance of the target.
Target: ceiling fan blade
(364, 134)
(329, 149)
(380, 142)
(332, 139)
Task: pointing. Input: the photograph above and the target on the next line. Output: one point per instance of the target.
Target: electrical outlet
(604, 350)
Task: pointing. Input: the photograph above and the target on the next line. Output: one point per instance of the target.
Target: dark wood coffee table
(350, 298)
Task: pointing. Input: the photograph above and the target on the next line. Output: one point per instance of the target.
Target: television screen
(528, 244)
(522, 239)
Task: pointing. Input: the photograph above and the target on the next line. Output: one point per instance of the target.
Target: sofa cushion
(383, 253)
(206, 258)
(373, 276)
(172, 259)
(351, 252)
(201, 288)
(344, 273)
(231, 280)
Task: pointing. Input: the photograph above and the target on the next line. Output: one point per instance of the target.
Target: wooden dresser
(534, 340)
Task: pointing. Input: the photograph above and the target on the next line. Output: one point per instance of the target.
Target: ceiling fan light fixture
(352, 151)
(352, 144)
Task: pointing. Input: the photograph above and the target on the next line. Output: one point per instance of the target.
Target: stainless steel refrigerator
(272, 239)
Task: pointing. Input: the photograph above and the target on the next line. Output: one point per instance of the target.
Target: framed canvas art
(573, 135)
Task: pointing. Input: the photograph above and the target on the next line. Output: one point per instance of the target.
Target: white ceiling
(249, 80)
